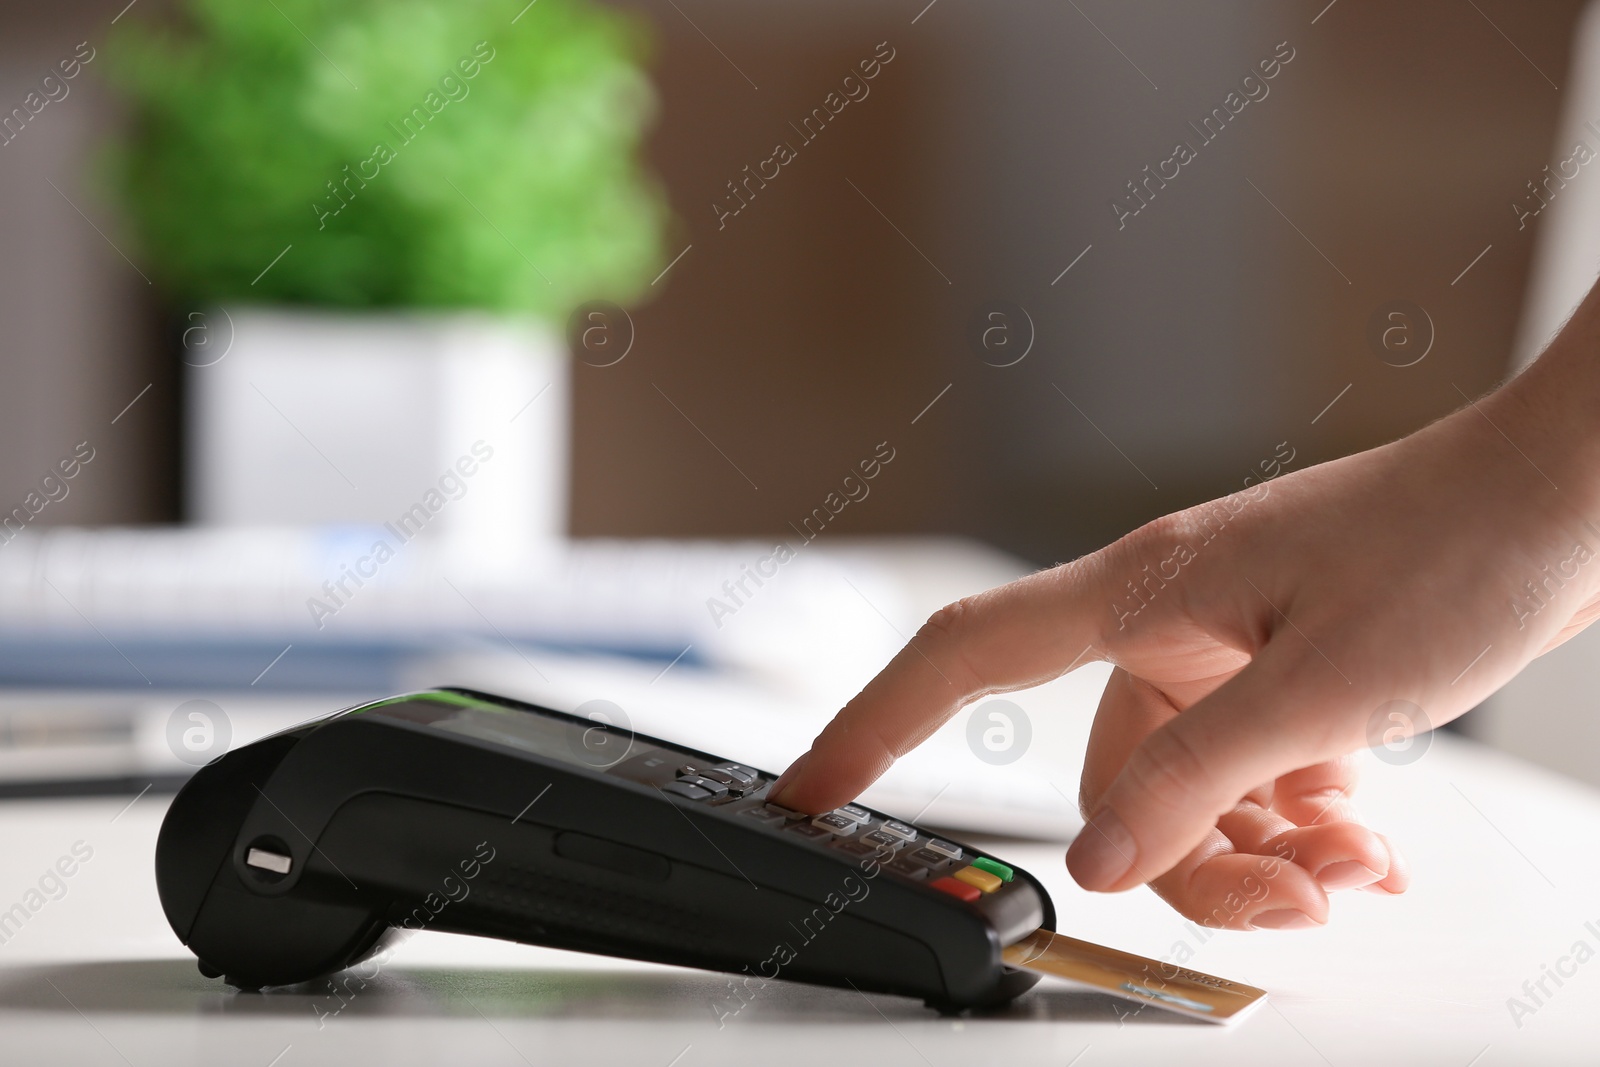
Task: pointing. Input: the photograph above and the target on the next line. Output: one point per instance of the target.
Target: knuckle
(1144, 563)
(1123, 556)
(953, 621)
(950, 634)
(1071, 579)
(1177, 523)
(1153, 540)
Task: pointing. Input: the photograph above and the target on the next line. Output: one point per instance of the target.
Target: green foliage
(518, 190)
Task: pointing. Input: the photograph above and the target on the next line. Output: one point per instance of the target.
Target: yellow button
(982, 879)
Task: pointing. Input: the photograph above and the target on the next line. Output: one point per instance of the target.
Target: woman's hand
(1263, 638)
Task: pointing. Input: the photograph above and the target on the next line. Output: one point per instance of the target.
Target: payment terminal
(305, 852)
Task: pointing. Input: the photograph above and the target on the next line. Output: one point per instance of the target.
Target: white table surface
(1507, 873)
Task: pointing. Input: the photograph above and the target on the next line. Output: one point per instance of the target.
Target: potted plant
(370, 213)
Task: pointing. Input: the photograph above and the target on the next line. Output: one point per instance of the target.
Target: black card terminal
(305, 852)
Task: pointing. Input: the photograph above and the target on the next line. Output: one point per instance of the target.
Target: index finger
(1011, 637)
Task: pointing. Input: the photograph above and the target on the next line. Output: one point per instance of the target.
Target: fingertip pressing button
(787, 813)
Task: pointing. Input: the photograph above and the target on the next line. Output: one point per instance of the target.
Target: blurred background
(1140, 362)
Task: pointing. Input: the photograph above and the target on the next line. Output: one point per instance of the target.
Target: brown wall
(792, 334)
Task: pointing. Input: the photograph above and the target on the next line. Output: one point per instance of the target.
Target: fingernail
(1346, 874)
(786, 779)
(1283, 919)
(1103, 853)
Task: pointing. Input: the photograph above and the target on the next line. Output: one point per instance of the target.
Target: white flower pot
(300, 417)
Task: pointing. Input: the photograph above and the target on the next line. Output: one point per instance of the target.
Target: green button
(994, 867)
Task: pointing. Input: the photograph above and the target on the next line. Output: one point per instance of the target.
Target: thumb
(1184, 776)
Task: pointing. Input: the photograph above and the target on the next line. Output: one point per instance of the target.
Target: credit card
(1122, 974)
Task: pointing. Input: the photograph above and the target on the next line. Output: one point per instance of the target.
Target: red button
(968, 893)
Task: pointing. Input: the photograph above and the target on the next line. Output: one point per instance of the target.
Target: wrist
(1551, 413)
